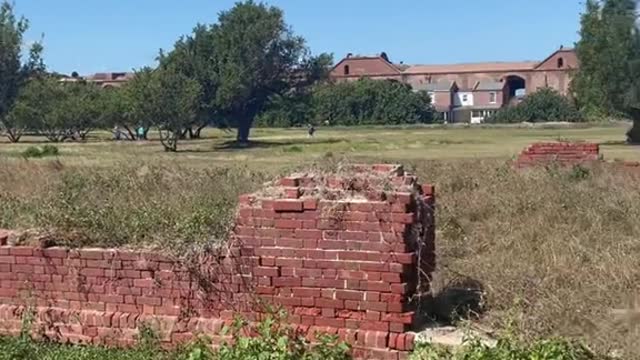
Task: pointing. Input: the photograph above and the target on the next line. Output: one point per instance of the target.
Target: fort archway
(516, 85)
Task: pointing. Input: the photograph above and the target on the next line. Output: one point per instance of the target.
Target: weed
(39, 152)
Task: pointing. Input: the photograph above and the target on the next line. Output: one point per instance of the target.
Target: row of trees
(608, 81)
(362, 102)
(221, 74)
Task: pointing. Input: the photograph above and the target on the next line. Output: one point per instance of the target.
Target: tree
(194, 56)
(166, 99)
(609, 44)
(367, 101)
(542, 106)
(133, 105)
(257, 55)
(13, 74)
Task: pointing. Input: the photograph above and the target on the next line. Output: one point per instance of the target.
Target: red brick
(286, 282)
(292, 193)
(310, 204)
(376, 340)
(403, 318)
(290, 182)
(266, 271)
(403, 218)
(306, 292)
(400, 288)
(290, 243)
(55, 252)
(391, 278)
(349, 295)
(288, 224)
(7, 259)
(374, 325)
(328, 303)
(308, 234)
(373, 305)
(92, 254)
(335, 323)
(286, 205)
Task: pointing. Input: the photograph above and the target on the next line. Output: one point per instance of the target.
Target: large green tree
(608, 46)
(194, 56)
(257, 56)
(164, 98)
(13, 73)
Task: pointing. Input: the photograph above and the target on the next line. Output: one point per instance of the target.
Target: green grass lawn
(292, 146)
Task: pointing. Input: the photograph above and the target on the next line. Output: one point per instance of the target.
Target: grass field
(292, 146)
(556, 251)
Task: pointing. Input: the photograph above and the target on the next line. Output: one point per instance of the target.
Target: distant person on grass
(311, 130)
(140, 134)
(116, 133)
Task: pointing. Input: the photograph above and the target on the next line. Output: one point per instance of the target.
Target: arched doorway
(516, 86)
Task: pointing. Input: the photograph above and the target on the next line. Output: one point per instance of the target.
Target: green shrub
(506, 349)
(276, 341)
(542, 106)
(370, 102)
(39, 152)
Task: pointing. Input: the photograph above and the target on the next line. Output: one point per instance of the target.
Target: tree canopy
(13, 73)
(543, 105)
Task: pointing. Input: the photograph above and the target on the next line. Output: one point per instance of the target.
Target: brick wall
(558, 153)
(346, 254)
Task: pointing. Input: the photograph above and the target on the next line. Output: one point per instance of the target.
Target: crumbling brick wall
(347, 254)
(558, 153)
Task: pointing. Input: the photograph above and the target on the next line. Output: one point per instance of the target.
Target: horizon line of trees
(250, 68)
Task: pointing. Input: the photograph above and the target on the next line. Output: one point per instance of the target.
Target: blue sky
(118, 35)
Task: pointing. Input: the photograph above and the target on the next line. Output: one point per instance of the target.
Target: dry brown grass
(557, 252)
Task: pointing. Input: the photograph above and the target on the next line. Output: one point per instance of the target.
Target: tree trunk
(132, 135)
(244, 128)
(633, 135)
(169, 140)
(198, 132)
(13, 135)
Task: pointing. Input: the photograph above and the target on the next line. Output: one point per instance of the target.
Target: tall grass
(130, 205)
(557, 251)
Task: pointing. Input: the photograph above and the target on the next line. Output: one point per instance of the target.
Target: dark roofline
(390, 65)
(554, 54)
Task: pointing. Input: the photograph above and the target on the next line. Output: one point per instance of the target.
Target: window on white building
(492, 98)
(465, 97)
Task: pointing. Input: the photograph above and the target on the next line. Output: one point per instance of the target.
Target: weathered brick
(286, 205)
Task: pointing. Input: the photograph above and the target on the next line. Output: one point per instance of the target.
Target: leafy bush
(506, 349)
(542, 106)
(276, 341)
(273, 341)
(366, 102)
(39, 152)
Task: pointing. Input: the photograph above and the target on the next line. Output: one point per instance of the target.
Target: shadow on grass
(234, 145)
(462, 299)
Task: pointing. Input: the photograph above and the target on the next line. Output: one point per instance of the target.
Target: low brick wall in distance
(346, 254)
(558, 153)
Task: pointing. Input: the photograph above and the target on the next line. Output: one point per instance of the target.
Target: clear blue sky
(119, 35)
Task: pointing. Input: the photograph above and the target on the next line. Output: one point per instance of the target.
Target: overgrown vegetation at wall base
(507, 349)
(272, 340)
(542, 106)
